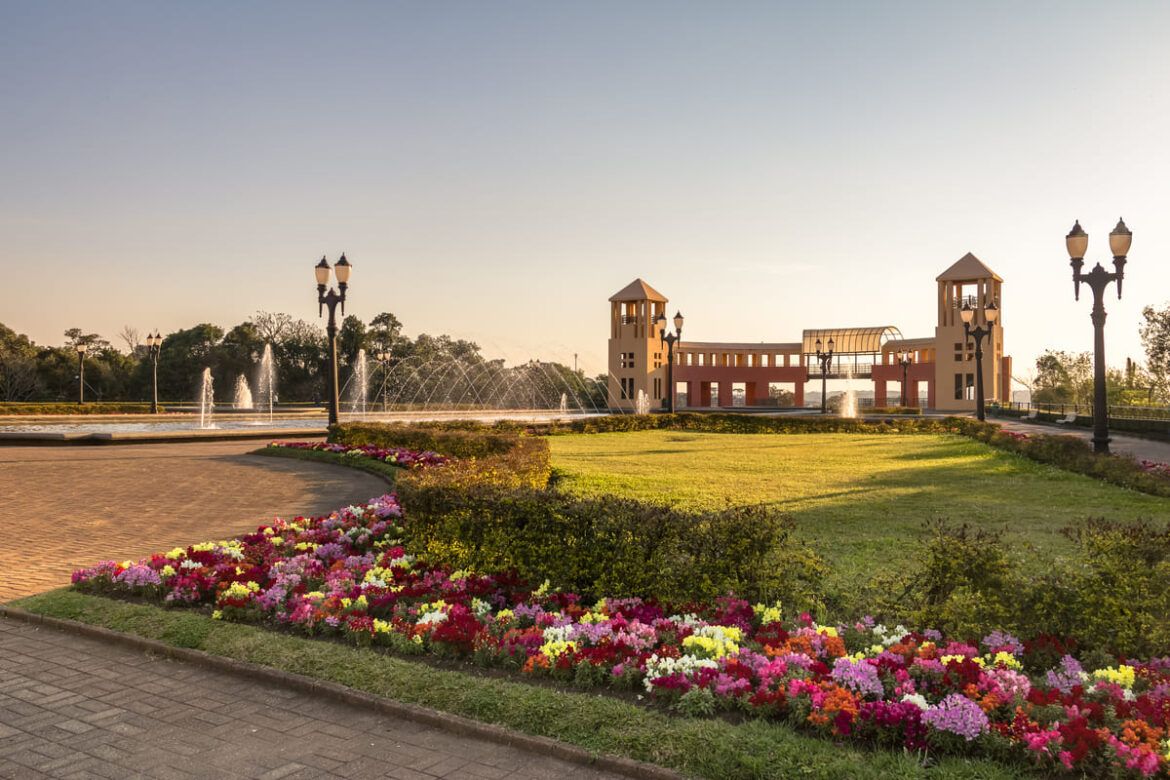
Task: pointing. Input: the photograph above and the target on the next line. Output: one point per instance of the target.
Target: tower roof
(968, 268)
(638, 290)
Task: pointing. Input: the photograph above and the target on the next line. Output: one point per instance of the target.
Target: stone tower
(637, 358)
(968, 282)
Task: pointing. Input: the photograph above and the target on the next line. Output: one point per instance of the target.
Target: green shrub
(465, 440)
(1110, 593)
(914, 410)
(610, 546)
(109, 407)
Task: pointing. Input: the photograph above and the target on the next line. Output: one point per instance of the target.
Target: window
(627, 360)
(958, 387)
(627, 388)
(657, 388)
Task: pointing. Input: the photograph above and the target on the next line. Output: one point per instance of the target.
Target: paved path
(75, 707)
(1142, 449)
(66, 507)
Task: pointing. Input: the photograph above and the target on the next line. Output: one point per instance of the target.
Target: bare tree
(129, 334)
(18, 377)
(272, 327)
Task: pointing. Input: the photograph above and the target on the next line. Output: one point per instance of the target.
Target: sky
(496, 170)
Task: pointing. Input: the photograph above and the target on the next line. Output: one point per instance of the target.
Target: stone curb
(452, 723)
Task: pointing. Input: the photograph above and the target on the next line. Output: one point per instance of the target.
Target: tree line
(438, 369)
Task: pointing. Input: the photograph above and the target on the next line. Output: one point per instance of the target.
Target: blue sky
(497, 170)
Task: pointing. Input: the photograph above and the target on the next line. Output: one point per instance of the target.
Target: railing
(1115, 412)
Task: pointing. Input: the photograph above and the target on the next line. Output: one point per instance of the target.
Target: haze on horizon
(496, 170)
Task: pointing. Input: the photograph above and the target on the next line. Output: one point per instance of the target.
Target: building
(941, 374)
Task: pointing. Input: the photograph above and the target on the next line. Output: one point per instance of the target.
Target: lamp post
(153, 348)
(383, 359)
(81, 374)
(670, 339)
(904, 360)
(341, 270)
(990, 315)
(1077, 241)
(826, 360)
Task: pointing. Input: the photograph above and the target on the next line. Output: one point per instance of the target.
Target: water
(266, 381)
(642, 403)
(359, 384)
(848, 406)
(207, 400)
(243, 399)
(564, 403)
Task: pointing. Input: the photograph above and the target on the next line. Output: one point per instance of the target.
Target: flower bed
(347, 575)
(395, 456)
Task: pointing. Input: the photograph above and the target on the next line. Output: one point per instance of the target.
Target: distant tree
(129, 335)
(351, 338)
(271, 327)
(18, 366)
(1155, 333)
(385, 332)
(76, 337)
(1063, 378)
(184, 355)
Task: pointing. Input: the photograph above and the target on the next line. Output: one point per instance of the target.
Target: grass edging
(595, 730)
(378, 468)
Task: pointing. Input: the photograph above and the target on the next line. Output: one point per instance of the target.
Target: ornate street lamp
(153, 348)
(990, 314)
(905, 358)
(331, 299)
(670, 339)
(1077, 241)
(826, 360)
(81, 374)
(383, 359)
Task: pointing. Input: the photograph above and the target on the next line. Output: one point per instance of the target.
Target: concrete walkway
(66, 507)
(1142, 449)
(75, 707)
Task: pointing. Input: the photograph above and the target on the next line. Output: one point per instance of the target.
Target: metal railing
(1115, 412)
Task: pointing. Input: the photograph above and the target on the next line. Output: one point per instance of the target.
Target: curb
(456, 724)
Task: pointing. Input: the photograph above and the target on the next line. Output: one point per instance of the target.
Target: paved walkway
(1142, 449)
(75, 707)
(66, 507)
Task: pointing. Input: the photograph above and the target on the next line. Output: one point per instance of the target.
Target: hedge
(86, 408)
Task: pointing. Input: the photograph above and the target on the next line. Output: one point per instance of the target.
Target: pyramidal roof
(638, 290)
(968, 269)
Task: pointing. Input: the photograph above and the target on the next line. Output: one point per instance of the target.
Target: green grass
(708, 748)
(384, 470)
(859, 499)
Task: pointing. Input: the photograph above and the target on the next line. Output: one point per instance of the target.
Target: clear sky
(495, 170)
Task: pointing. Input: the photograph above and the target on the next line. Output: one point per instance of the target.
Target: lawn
(859, 499)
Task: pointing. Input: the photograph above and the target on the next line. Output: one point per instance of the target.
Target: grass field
(860, 499)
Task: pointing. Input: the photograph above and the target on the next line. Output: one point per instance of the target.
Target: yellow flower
(217, 615)
(557, 648)
(946, 659)
(167, 571)
(827, 630)
(176, 553)
(277, 540)
(1006, 659)
(767, 614)
(1123, 675)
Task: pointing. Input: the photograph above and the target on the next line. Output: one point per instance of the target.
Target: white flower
(686, 665)
(917, 699)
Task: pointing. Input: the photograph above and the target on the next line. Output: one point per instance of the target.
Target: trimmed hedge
(86, 408)
(703, 422)
(460, 440)
(612, 546)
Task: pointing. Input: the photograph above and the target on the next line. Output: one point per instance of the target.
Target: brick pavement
(66, 507)
(75, 707)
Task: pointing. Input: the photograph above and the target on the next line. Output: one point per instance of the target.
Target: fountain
(848, 407)
(243, 399)
(642, 403)
(359, 384)
(266, 381)
(564, 403)
(206, 400)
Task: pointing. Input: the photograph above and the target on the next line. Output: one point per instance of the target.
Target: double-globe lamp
(331, 299)
(980, 332)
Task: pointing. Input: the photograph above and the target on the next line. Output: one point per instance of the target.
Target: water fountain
(206, 400)
(642, 403)
(564, 403)
(243, 398)
(359, 384)
(848, 406)
(266, 381)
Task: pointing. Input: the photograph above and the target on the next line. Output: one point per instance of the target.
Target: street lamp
(1077, 241)
(826, 360)
(153, 348)
(670, 339)
(81, 374)
(905, 358)
(383, 359)
(341, 270)
(990, 315)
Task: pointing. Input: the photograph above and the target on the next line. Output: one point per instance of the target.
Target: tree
(184, 355)
(129, 335)
(385, 332)
(1063, 378)
(18, 366)
(272, 327)
(352, 337)
(1155, 333)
